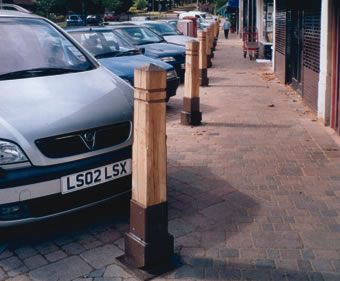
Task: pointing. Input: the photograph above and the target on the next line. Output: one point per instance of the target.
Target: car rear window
(28, 44)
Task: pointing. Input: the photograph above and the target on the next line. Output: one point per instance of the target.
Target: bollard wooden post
(191, 114)
(211, 41)
(215, 35)
(149, 247)
(202, 38)
(208, 50)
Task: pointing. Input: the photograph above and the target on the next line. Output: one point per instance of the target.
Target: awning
(233, 4)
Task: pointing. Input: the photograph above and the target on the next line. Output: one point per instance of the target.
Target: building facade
(305, 38)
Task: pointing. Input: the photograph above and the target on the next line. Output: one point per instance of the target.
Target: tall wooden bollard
(208, 49)
(203, 64)
(211, 41)
(148, 245)
(215, 34)
(191, 114)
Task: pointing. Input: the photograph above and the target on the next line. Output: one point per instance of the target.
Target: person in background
(226, 27)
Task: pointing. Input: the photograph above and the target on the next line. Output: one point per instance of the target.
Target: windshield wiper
(35, 72)
(106, 55)
(128, 52)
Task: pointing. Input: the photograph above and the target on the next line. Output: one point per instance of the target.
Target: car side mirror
(142, 50)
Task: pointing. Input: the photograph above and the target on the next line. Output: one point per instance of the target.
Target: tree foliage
(140, 4)
(45, 6)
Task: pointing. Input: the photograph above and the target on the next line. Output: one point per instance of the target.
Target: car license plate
(95, 176)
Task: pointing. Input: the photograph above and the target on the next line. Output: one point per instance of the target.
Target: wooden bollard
(211, 41)
(203, 64)
(208, 49)
(148, 245)
(216, 26)
(191, 114)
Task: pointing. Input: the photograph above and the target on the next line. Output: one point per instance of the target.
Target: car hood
(179, 39)
(163, 50)
(124, 66)
(40, 107)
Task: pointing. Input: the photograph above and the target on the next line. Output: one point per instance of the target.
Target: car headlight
(10, 153)
(171, 74)
(168, 59)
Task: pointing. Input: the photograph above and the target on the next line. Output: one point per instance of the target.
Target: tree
(45, 6)
(116, 5)
(140, 4)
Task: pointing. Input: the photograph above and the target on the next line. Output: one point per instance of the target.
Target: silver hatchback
(65, 123)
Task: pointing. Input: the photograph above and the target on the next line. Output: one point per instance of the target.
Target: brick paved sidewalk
(253, 194)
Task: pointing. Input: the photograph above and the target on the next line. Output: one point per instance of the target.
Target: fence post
(208, 49)
(148, 245)
(191, 114)
(202, 38)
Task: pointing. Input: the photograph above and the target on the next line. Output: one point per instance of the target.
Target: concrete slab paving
(253, 193)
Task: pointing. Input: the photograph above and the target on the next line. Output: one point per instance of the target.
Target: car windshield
(29, 45)
(138, 35)
(73, 17)
(103, 43)
(162, 28)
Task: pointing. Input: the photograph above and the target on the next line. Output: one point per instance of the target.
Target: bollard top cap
(150, 67)
(150, 77)
(192, 44)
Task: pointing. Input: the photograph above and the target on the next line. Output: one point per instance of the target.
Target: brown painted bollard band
(203, 64)
(148, 245)
(191, 114)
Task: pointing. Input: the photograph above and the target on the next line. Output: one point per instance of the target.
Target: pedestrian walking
(226, 27)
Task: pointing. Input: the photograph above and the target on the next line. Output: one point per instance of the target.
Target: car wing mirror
(142, 50)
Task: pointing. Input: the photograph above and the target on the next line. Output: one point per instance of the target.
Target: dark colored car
(119, 56)
(155, 46)
(74, 20)
(94, 20)
(111, 17)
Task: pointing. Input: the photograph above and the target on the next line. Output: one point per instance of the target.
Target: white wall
(274, 35)
(324, 95)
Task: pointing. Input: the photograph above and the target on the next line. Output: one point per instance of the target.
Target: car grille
(84, 141)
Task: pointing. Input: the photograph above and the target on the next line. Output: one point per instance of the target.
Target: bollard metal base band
(191, 114)
(209, 63)
(148, 242)
(204, 80)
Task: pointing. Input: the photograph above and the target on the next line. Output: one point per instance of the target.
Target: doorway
(295, 48)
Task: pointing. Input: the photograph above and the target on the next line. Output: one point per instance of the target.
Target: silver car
(65, 123)
(167, 31)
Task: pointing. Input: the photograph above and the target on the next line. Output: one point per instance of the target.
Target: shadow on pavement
(244, 125)
(114, 213)
(218, 269)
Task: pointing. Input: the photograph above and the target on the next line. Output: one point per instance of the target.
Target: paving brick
(279, 240)
(55, 256)
(26, 252)
(101, 256)
(73, 248)
(66, 269)
(11, 263)
(19, 270)
(35, 261)
(116, 271)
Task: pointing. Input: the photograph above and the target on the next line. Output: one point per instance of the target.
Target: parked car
(111, 17)
(169, 33)
(66, 124)
(155, 46)
(12, 7)
(119, 56)
(201, 18)
(74, 20)
(94, 20)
